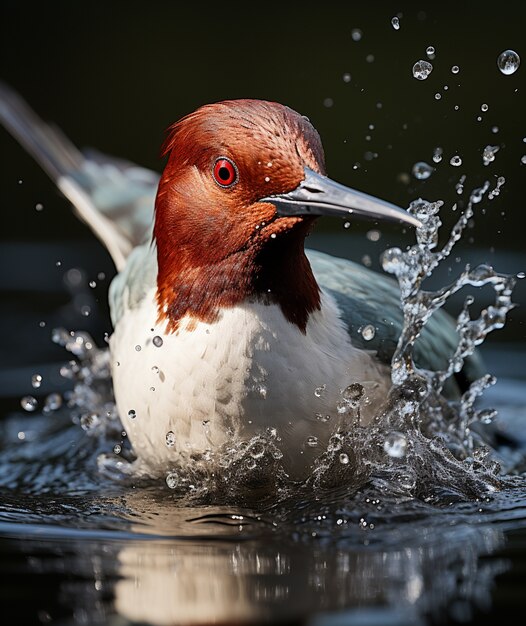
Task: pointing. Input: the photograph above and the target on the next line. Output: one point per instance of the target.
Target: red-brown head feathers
(217, 243)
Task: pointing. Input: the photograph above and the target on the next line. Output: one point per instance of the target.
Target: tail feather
(115, 202)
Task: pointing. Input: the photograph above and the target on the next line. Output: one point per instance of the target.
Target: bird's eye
(225, 172)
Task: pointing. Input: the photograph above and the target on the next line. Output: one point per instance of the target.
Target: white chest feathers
(196, 389)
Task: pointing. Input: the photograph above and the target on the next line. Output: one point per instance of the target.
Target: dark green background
(115, 75)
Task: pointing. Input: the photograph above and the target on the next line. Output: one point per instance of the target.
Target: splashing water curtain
(418, 444)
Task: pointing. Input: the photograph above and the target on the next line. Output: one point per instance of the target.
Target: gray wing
(367, 297)
(115, 198)
(137, 278)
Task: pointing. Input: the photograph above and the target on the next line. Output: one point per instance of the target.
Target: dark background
(115, 75)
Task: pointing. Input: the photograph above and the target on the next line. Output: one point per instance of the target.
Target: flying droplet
(328, 102)
(131, 414)
(455, 161)
(368, 332)
(319, 391)
(171, 480)
(438, 96)
(117, 448)
(36, 381)
(430, 51)
(39, 206)
(395, 22)
(137, 348)
(356, 34)
(344, 458)
(437, 155)
(52, 402)
(170, 439)
(523, 159)
(346, 77)
(312, 441)
(422, 170)
(484, 107)
(455, 69)
(508, 62)
(395, 445)
(157, 341)
(29, 403)
(488, 154)
(422, 69)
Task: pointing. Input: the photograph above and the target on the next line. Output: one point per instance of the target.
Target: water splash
(420, 444)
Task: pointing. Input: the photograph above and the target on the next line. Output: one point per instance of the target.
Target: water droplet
(421, 170)
(422, 69)
(319, 391)
(137, 348)
(36, 381)
(157, 341)
(438, 96)
(395, 444)
(101, 275)
(42, 324)
(353, 393)
(508, 62)
(312, 441)
(131, 414)
(368, 332)
(430, 51)
(344, 458)
(455, 161)
(170, 439)
(322, 417)
(117, 448)
(455, 69)
(346, 77)
(488, 154)
(395, 22)
(171, 480)
(21, 435)
(356, 34)
(85, 310)
(257, 450)
(484, 107)
(369, 58)
(347, 225)
(29, 403)
(437, 155)
(373, 234)
(328, 102)
(523, 159)
(39, 206)
(53, 402)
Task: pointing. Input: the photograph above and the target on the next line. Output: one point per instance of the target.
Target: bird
(224, 324)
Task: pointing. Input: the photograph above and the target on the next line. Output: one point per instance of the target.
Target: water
(407, 521)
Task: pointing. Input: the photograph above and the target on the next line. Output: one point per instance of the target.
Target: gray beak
(319, 195)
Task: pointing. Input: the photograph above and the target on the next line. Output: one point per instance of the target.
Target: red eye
(225, 172)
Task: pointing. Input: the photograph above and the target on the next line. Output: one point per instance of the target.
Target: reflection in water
(166, 583)
(230, 568)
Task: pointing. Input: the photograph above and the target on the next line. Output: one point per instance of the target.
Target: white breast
(250, 370)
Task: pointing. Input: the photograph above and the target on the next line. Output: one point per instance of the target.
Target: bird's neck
(200, 284)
